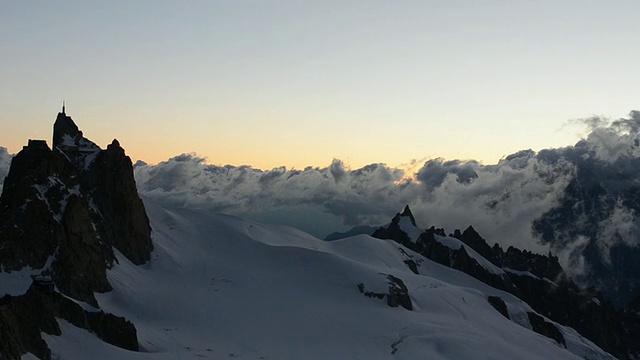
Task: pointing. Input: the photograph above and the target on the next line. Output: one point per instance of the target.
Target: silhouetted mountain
(63, 212)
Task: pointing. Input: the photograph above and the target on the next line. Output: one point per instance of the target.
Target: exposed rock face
(522, 260)
(499, 305)
(546, 328)
(397, 295)
(23, 318)
(393, 231)
(26, 197)
(471, 237)
(631, 321)
(107, 177)
(537, 279)
(538, 323)
(64, 210)
(80, 266)
(123, 222)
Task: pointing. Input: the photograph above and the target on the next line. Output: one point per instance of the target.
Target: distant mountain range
(537, 279)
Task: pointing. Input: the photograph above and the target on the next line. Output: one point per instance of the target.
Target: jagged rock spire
(75, 203)
(64, 125)
(407, 212)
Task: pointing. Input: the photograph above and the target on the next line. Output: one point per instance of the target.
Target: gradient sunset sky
(298, 83)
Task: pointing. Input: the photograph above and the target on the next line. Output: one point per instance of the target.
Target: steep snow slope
(221, 287)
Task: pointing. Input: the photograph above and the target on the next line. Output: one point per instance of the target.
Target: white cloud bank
(500, 200)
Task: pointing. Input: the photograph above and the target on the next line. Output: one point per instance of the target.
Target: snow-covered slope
(220, 287)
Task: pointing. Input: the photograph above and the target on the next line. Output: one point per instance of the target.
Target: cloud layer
(515, 202)
(335, 195)
(501, 201)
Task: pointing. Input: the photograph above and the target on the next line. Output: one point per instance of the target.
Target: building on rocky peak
(64, 211)
(37, 144)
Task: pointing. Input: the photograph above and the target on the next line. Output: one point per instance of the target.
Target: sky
(301, 83)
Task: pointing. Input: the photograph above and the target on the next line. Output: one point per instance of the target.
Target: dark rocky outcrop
(12, 344)
(393, 231)
(499, 305)
(460, 259)
(432, 249)
(471, 238)
(407, 213)
(543, 327)
(538, 323)
(124, 222)
(71, 206)
(24, 317)
(397, 294)
(65, 210)
(370, 294)
(631, 323)
(543, 266)
(79, 268)
(412, 265)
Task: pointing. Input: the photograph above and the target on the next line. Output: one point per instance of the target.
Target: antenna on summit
(63, 113)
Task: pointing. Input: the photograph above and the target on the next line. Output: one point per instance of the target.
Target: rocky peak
(64, 129)
(63, 210)
(70, 140)
(394, 231)
(526, 275)
(473, 239)
(407, 213)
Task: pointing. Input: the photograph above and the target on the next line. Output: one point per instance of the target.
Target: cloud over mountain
(509, 202)
(366, 195)
(498, 199)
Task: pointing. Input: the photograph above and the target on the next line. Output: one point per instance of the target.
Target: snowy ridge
(220, 287)
(455, 244)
